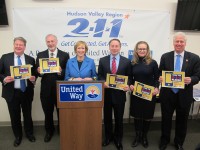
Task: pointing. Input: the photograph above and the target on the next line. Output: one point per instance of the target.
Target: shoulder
(42, 52)
(8, 55)
(192, 55)
(29, 57)
(73, 59)
(62, 52)
(89, 59)
(154, 62)
(125, 59)
(105, 57)
(168, 54)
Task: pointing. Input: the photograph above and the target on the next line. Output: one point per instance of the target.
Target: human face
(179, 44)
(19, 47)
(51, 42)
(80, 50)
(114, 47)
(142, 50)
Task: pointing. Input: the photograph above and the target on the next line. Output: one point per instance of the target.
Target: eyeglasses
(141, 49)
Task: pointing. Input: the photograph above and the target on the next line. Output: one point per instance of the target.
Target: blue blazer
(87, 69)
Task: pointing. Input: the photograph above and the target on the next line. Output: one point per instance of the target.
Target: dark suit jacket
(191, 67)
(49, 80)
(6, 61)
(124, 68)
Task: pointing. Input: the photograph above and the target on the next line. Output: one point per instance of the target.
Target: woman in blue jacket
(80, 67)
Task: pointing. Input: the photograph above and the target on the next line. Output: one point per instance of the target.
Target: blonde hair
(20, 39)
(147, 58)
(81, 43)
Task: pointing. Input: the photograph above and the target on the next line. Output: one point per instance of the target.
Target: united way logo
(92, 92)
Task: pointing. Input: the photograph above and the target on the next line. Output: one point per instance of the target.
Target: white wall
(6, 35)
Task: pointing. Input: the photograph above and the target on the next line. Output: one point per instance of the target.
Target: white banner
(94, 26)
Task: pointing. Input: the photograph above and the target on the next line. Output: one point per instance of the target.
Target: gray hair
(180, 34)
(51, 35)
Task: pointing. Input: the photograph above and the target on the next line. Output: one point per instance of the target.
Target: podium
(80, 113)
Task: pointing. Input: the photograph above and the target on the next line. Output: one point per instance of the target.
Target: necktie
(177, 68)
(22, 82)
(51, 55)
(114, 69)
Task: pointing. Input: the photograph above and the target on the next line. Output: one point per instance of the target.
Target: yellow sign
(173, 79)
(49, 65)
(116, 81)
(143, 91)
(21, 72)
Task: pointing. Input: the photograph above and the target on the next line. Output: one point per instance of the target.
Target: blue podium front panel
(80, 92)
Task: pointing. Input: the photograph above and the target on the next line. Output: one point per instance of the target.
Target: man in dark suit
(113, 98)
(18, 93)
(181, 99)
(48, 83)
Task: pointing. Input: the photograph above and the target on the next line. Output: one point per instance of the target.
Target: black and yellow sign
(172, 79)
(49, 65)
(21, 72)
(116, 81)
(143, 91)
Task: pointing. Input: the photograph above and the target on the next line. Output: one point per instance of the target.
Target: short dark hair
(115, 40)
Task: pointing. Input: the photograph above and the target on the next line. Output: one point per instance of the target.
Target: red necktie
(114, 70)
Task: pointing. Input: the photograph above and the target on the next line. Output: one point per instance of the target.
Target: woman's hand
(155, 92)
(88, 79)
(131, 87)
(106, 85)
(78, 79)
(160, 79)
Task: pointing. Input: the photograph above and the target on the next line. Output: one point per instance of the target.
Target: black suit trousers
(20, 102)
(48, 104)
(118, 110)
(170, 104)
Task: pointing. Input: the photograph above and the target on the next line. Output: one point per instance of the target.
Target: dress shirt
(181, 58)
(54, 53)
(117, 59)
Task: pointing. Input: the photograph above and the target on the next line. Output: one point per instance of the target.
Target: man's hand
(187, 80)
(8, 79)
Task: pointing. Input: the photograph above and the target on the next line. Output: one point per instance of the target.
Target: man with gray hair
(48, 83)
(179, 100)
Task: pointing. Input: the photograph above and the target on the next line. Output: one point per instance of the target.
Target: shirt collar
(22, 56)
(116, 57)
(54, 52)
(182, 54)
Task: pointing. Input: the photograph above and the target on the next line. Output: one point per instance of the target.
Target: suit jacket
(124, 68)
(6, 61)
(191, 67)
(49, 80)
(87, 69)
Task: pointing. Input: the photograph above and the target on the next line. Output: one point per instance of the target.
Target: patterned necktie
(177, 68)
(51, 55)
(114, 69)
(22, 82)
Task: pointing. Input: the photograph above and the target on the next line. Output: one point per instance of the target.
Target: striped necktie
(114, 69)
